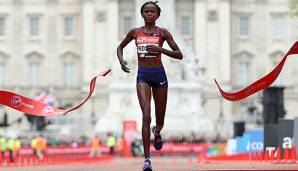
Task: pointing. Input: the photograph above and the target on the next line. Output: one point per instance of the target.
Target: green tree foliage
(293, 6)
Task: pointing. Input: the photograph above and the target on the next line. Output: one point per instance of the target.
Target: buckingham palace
(57, 46)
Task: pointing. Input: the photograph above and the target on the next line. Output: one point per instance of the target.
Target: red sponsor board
(129, 132)
(171, 148)
(129, 129)
(168, 148)
(67, 150)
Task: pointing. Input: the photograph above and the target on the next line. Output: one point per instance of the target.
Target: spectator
(18, 145)
(53, 142)
(13, 144)
(33, 146)
(136, 147)
(3, 146)
(111, 142)
(121, 145)
(95, 146)
(41, 145)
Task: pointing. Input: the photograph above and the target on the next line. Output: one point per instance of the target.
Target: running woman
(151, 78)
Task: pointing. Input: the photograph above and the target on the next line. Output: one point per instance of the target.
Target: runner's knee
(146, 119)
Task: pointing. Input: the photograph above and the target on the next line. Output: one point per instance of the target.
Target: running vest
(143, 40)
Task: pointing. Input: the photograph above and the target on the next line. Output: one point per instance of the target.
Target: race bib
(143, 42)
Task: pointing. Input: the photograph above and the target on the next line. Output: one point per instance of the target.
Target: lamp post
(93, 117)
(220, 120)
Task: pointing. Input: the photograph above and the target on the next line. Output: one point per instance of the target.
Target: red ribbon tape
(37, 108)
(260, 84)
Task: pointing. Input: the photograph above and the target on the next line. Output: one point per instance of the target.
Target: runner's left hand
(152, 48)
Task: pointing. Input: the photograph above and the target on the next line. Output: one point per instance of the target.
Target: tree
(293, 7)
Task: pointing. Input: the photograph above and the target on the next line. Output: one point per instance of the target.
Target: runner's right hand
(124, 67)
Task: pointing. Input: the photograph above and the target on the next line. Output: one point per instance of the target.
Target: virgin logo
(48, 109)
(148, 40)
(141, 40)
(16, 101)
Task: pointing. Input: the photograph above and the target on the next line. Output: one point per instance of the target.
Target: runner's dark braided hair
(151, 2)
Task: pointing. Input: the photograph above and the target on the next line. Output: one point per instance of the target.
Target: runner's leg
(144, 96)
(160, 96)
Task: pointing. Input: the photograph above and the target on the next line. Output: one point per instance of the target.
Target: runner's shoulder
(164, 32)
(133, 32)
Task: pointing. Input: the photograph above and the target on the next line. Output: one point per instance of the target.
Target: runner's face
(150, 13)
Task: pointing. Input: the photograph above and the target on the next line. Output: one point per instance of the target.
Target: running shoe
(147, 165)
(157, 142)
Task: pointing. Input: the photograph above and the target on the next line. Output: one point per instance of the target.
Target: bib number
(142, 51)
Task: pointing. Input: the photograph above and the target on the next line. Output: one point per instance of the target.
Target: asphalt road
(159, 164)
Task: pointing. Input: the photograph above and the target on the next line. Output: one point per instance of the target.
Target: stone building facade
(58, 45)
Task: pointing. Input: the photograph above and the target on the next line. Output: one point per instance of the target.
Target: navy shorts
(155, 77)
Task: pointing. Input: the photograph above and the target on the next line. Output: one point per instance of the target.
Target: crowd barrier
(288, 155)
(66, 154)
(174, 149)
(54, 155)
(204, 152)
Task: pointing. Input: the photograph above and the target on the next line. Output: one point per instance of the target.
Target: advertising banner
(270, 136)
(285, 133)
(256, 142)
(295, 134)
